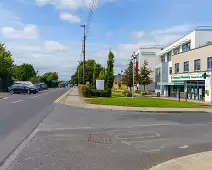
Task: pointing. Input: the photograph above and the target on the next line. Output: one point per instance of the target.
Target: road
(77, 138)
(20, 114)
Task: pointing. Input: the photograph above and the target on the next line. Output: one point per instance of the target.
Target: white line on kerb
(17, 101)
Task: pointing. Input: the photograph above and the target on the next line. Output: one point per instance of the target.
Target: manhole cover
(100, 138)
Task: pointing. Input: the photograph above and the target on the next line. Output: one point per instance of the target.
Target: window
(186, 47)
(186, 66)
(209, 63)
(170, 70)
(176, 51)
(162, 58)
(169, 56)
(197, 65)
(177, 68)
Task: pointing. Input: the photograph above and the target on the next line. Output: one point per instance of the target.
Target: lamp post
(78, 71)
(84, 71)
(133, 58)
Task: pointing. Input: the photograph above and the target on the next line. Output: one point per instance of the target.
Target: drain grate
(100, 138)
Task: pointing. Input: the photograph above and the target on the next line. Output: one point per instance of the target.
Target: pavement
(20, 114)
(73, 137)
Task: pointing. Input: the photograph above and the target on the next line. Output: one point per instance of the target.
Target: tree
(6, 62)
(109, 79)
(90, 71)
(145, 75)
(128, 75)
(97, 70)
(102, 74)
(24, 72)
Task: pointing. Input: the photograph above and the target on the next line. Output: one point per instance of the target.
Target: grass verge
(144, 102)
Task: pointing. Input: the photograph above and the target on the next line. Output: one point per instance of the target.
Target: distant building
(151, 55)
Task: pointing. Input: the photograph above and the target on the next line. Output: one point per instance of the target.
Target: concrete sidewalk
(73, 99)
(201, 161)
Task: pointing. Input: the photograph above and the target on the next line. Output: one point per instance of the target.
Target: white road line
(45, 93)
(17, 101)
(184, 147)
(34, 96)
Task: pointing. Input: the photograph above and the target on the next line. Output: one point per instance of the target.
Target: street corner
(197, 161)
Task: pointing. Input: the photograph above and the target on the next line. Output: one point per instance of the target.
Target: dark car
(22, 88)
(39, 87)
(44, 86)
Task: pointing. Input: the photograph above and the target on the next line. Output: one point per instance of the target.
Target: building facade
(166, 72)
(151, 55)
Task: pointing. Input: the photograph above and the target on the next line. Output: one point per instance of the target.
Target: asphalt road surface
(20, 114)
(75, 138)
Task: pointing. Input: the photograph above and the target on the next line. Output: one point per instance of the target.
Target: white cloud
(69, 17)
(138, 35)
(53, 46)
(29, 32)
(161, 36)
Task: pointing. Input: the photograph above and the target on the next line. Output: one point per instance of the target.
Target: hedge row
(87, 91)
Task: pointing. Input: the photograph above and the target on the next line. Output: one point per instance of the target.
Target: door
(22, 89)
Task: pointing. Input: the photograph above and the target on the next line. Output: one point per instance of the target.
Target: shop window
(197, 65)
(209, 63)
(176, 51)
(170, 70)
(186, 47)
(186, 66)
(177, 68)
(169, 56)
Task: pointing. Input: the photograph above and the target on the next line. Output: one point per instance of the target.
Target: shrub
(80, 86)
(127, 93)
(86, 91)
(101, 93)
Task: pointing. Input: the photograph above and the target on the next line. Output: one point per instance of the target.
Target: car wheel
(12, 92)
(28, 91)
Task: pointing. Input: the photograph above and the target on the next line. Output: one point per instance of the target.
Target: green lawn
(144, 102)
(116, 94)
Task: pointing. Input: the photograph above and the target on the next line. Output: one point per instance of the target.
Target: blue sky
(47, 33)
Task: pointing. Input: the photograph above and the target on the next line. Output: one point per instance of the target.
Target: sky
(47, 33)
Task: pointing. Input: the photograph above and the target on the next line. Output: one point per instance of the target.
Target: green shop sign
(188, 77)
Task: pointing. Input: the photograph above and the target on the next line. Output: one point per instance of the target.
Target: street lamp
(78, 71)
(133, 58)
(84, 53)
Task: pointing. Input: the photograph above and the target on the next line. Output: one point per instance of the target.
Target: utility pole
(84, 71)
(78, 71)
(121, 77)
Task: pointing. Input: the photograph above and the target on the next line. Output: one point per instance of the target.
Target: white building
(166, 70)
(151, 55)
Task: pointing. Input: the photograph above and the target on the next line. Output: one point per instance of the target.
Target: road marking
(184, 147)
(34, 96)
(45, 93)
(62, 97)
(17, 101)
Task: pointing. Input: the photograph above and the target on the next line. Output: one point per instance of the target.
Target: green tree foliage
(128, 75)
(145, 75)
(102, 74)
(97, 69)
(109, 79)
(6, 62)
(90, 65)
(24, 72)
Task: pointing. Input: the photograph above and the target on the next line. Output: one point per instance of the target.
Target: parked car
(62, 85)
(39, 87)
(22, 88)
(44, 86)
